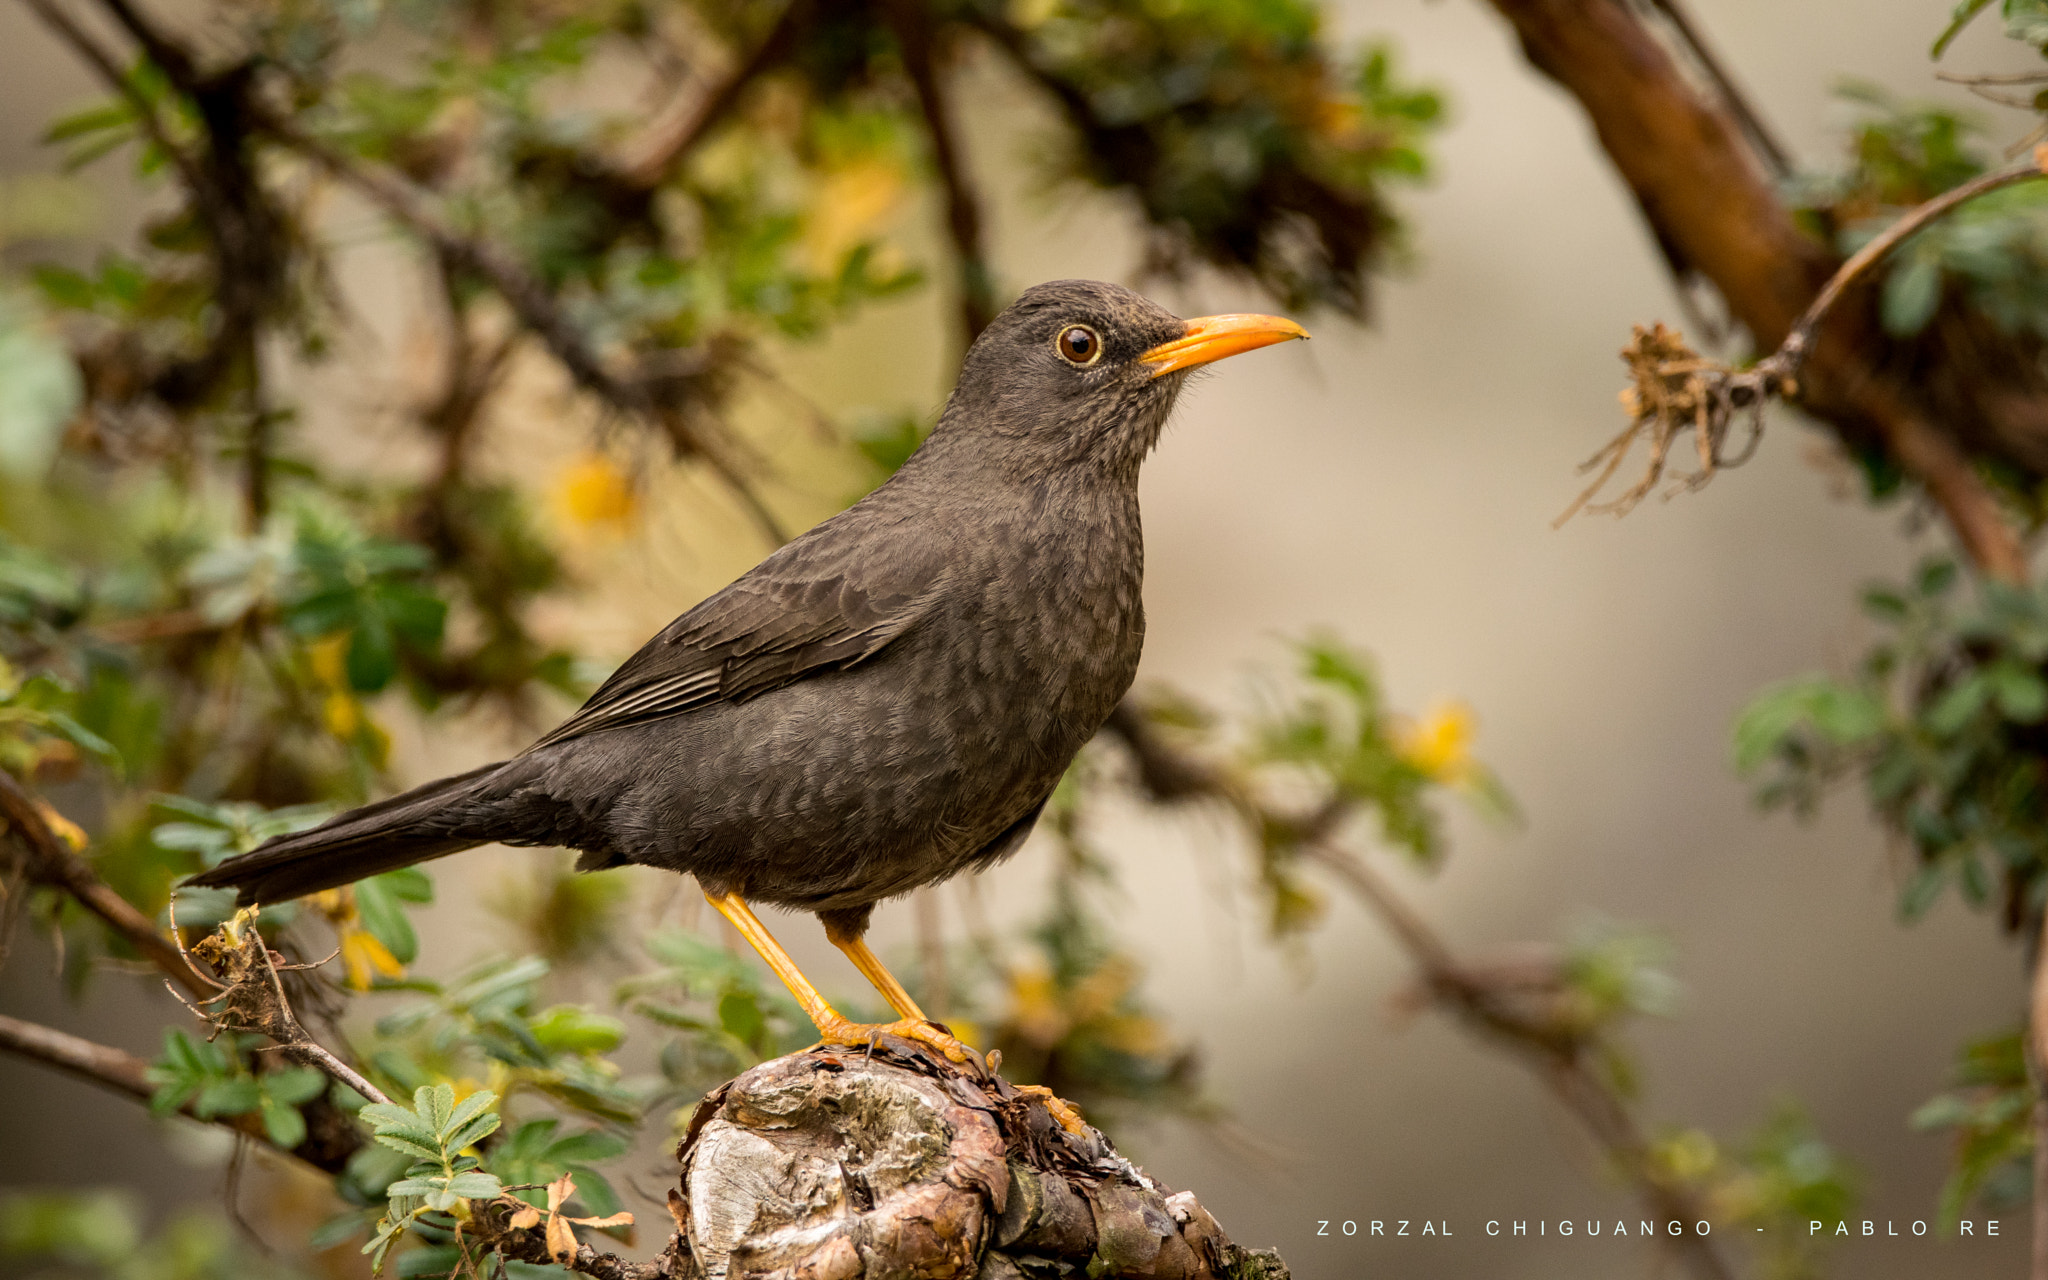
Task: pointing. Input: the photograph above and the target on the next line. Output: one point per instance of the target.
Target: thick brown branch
(1753, 125)
(1944, 470)
(1700, 188)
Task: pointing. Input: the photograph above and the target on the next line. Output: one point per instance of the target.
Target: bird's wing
(807, 609)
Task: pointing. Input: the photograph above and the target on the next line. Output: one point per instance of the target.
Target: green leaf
(1959, 705)
(472, 1133)
(476, 1186)
(740, 1014)
(588, 1146)
(408, 884)
(385, 920)
(400, 1142)
(372, 659)
(1845, 716)
(568, 1028)
(283, 1124)
(227, 1097)
(2022, 694)
(468, 1109)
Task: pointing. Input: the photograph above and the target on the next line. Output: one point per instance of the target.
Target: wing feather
(812, 607)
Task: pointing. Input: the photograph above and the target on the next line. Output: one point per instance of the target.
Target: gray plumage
(883, 702)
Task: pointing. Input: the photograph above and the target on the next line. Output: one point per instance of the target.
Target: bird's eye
(1078, 344)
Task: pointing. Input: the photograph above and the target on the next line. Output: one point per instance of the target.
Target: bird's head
(1083, 372)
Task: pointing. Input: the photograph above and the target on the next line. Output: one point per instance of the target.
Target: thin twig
(535, 308)
(1799, 341)
(1505, 1004)
(116, 79)
(914, 36)
(653, 160)
(1675, 390)
(251, 994)
(116, 1070)
(1559, 1058)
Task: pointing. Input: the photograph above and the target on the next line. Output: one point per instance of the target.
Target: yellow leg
(871, 968)
(834, 1028)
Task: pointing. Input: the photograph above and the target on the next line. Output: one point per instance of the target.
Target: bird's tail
(425, 822)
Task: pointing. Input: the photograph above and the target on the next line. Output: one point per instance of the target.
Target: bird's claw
(859, 1034)
(1059, 1108)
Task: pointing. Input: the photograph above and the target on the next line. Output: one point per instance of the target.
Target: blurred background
(1392, 484)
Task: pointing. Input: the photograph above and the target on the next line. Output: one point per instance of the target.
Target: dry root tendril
(242, 969)
(1677, 390)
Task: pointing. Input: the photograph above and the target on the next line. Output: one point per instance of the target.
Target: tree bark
(1956, 390)
(841, 1164)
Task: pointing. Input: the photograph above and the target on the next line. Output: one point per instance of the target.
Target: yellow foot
(925, 1033)
(1060, 1109)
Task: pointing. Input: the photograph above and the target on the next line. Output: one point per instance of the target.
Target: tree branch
(912, 28)
(653, 158)
(51, 862)
(1697, 183)
(119, 1071)
(1797, 343)
(1499, 1007)
(532, 305)
(1753, 125)
(102, 62)
(1558, 1057)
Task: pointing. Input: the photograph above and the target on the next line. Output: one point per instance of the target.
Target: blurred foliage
(1246, 142)
(1990, 1110)
(1992, 252)
(101, 1235)
(1942, 720)
(1779, 1178)
(1067, 1010)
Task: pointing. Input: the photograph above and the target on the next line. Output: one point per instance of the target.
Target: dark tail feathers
(411, 827)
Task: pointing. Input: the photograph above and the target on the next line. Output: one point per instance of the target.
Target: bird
(886, 700)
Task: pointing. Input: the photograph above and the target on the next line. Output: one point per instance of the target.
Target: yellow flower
(342, 715)
(328, 656)
(1440, 744)
(362, 955)
(594, 492)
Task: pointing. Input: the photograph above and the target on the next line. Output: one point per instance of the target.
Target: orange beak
(1214, 337)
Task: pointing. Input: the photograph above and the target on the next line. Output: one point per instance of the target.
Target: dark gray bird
(884, 702)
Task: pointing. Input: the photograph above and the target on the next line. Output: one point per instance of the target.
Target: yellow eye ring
(1078, 345)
